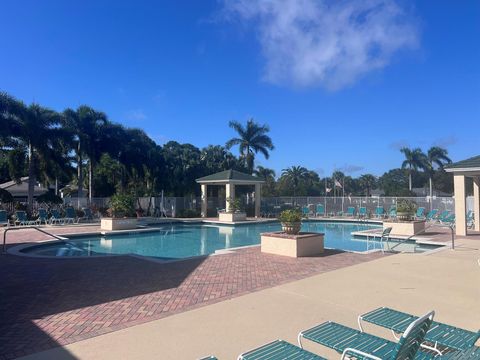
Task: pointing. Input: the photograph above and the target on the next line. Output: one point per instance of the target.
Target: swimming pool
(177, 241)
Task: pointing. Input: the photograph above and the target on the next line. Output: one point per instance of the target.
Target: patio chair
(470, 219)
(22, 219)
(305, 211)
(362, 213)
(379, 212)
(420, 214)
(42, 217)
(56, 218)
(439, 334)
(443, 215)
(4, 218)
(392, 214)
(209, 358)
(279, 349)
(355, 343)
(448, 221)
(350, 212)
(320, 210)
(431, 215)
(70, 215)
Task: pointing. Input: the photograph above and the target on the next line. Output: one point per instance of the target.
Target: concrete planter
(300, 245)
(405, 228)
(118, 223)
(232, 217)
(291, 228)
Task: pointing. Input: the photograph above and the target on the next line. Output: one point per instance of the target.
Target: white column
(229, 195)
(204, 200)
(258, 199)
(476, 202)
(460, 205)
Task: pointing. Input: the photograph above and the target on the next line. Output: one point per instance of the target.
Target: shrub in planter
(235, 205)
(291, 221)
(122, 205)
(406, 209)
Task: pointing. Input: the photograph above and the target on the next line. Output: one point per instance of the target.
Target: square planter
(232, 217)
(303, 244)
(118, 224)
(405, 228)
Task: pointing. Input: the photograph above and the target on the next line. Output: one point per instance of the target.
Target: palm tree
(414, 159)
(295, 175)
(35, 129)
(367, 182)
(436, 156)
(264, 173)
(252, 139)
(86, 125)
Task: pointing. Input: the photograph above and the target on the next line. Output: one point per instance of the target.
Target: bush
(5, 196)
(187, 213)
(290, 216)
(122, 205)
(50, 198)
(406, 206)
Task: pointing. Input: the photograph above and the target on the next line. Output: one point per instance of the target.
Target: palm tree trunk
(410, 180)
(80, 173)
(431, 192)
(31, 178)
(90, 180)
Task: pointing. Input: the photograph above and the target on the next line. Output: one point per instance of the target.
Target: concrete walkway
(446, 281)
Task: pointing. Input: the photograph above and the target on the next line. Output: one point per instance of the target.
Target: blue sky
(342, 84)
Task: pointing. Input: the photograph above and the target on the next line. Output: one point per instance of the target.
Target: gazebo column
(476, 202)
(460, 205)
(258, 199)
(204, 200)
(229, 195)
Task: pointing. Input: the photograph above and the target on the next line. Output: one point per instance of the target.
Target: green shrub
(290, 216)
(188, 213)
(50, 198)
(406, 206)
(235, 205)
(122, 205)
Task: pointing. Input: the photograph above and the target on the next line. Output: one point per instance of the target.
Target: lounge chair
(4, 218)
(56, 218)
(420, 214)
(209, 358)
(431, 215)
(439, 334)
(22, 219)
(42, 217)
(392, 214)
(448, 221)
(442, 216)
(320, 210)
(279, 350)
(470, 219)
(362, 213)
(70, 215)
(355, 343)
(305, 211)
(379, 212)
(350, 212)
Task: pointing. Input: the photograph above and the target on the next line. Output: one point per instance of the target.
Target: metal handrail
(25, 227)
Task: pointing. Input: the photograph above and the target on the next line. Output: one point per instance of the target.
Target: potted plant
(122, 212)
(235, 211)
(406, 209)
(291, 221)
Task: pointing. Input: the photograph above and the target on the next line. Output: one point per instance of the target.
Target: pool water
(177, 241)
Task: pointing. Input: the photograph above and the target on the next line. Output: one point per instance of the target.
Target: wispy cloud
(351, 168)
(397, 145)
(445, 142)
(136, 115)
(325, 43)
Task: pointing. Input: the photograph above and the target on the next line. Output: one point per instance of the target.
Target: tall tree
(367, 182)
(436, 156)
(415, 159)
(269, 176)
(295, 175)
(251, 140)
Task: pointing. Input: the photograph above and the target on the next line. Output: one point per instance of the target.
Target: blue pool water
(178, 241)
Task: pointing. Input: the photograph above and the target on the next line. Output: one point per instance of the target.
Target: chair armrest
(358, 352)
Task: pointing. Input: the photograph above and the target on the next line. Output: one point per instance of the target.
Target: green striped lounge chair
(350, 211)
(305, 211)
(4, 218)
(70, 215)
(392, 214)
(362, 212)
(431, 215)
(211, 357)
(42, 217)
(449, 220)
(279, 350)
(420, 214)
(470, 219)
(362, 346)
(22, 219)
(440, 337)
(379, 212)
(56, 218)
(443, 215)
(320, 210)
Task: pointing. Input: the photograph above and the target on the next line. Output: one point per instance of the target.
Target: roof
(20, 189)
(471, 164)
(230, 176)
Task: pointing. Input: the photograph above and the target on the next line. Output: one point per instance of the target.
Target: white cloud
(446, 142)
(324, 43)
(136, 115)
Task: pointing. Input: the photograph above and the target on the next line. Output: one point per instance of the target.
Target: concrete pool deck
(445, 281)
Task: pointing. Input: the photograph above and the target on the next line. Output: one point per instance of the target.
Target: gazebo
(461, 170)
(230, 178)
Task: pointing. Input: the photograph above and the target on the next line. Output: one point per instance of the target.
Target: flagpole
(343, 193)
(325, 197)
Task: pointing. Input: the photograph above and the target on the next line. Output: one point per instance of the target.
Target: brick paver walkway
(50, 302)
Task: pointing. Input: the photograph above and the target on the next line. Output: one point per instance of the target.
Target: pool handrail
(22, 228)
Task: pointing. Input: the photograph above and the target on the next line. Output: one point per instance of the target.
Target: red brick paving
(45, 303)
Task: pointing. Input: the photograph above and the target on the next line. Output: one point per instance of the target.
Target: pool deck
(126, 307)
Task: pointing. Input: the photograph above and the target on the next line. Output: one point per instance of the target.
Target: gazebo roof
(467, 166)
(230, 177)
